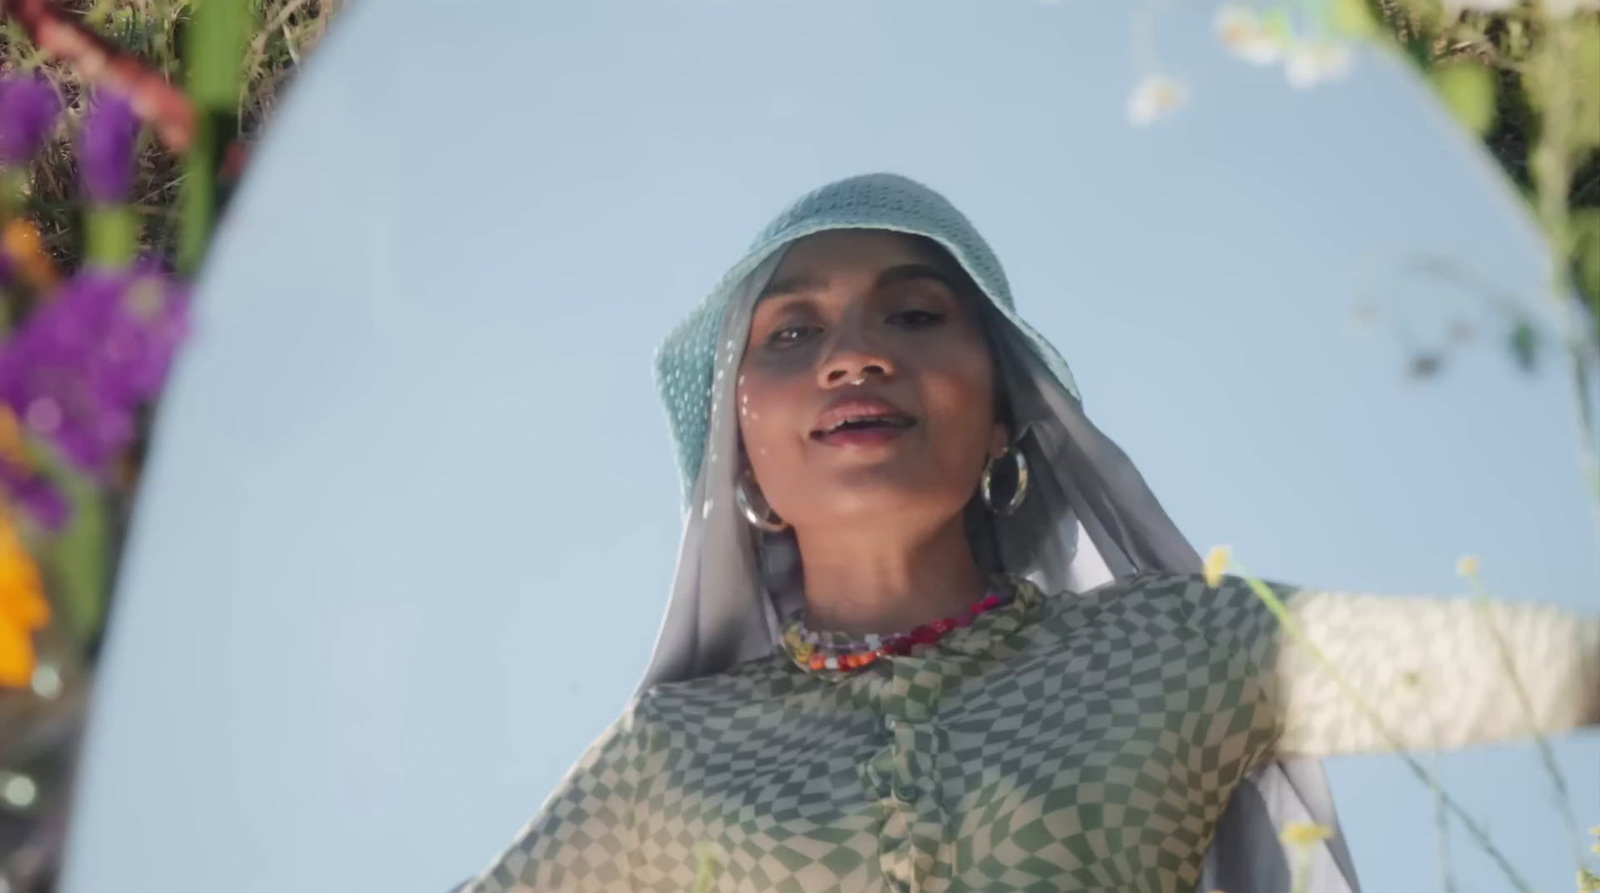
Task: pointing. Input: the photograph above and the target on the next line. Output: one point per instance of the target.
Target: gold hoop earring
(768, 522)
(1018, 494)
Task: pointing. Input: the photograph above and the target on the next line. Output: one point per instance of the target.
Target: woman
(862, 683)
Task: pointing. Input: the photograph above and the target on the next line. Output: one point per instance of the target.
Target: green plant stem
(1441, 813)
(1558, 780)
(113, 235)
(1441, 824)
(1292, 627)
(1302, 871)
(217, 40)
(199, 195)
(1552, 169)
(74, 560)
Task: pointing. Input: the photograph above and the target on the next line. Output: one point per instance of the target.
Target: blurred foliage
(1529, 86)
(235, 58)
(282, 33)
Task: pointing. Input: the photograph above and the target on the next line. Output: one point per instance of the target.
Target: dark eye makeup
(784, 336)
(917, 318)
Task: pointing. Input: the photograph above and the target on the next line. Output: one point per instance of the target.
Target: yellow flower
(1305, 833)
(797, 644)
(1468, 566)
(24, 245)
(23, 608)
(1588, 881)
(707, 868)
(11, 445)
(1217, 561)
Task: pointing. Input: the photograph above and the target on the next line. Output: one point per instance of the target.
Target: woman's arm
(582, 840)
(1433, 672)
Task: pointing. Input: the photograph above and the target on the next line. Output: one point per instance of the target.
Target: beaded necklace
(806, 646)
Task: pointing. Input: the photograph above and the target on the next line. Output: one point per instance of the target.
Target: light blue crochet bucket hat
(685, 362)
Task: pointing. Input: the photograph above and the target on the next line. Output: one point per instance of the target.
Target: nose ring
(859, 382)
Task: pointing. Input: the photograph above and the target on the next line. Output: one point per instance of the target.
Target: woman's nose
(853, 361)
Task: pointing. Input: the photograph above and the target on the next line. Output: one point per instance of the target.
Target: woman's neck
(876, 585)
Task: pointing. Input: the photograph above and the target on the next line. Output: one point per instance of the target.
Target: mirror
(411, 518)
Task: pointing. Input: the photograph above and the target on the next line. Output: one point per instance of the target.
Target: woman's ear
(999, 440)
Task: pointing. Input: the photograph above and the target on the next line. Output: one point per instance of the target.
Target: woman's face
(866, 390)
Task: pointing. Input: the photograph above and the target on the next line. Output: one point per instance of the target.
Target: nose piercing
(859, 382)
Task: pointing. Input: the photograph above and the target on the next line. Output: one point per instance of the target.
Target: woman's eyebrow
(809, 283)
(911, 273)
(798, 284)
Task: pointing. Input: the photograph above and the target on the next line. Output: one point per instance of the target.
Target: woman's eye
(917, 319)
(789, 335)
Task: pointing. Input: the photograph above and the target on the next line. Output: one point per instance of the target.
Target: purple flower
(28, 110)
(107, 148)
(36, 495)
(80, 367)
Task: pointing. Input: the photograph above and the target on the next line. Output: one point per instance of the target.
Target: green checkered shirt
(1073, 743)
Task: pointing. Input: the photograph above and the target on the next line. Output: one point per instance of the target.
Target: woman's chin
(886, 490)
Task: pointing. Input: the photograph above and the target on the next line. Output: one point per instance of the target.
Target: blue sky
(412, 515)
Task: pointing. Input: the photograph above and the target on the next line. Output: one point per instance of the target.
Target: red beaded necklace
(817, 658)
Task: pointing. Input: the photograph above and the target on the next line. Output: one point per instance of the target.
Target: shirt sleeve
(1418, 672)
(582, 841)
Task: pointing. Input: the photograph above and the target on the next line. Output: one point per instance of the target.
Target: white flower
(1247, 36)
(1155, 96)
(1314, 62)
(1456, 7)
(1564, 9)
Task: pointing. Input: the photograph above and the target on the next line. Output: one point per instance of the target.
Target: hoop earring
(768, 522)
(986, 484)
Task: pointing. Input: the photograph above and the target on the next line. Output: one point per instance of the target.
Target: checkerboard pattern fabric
(1074, 743)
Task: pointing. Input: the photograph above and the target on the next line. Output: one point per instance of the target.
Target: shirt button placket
(913, 787)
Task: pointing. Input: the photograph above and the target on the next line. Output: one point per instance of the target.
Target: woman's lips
(861, 420)
(860, 437)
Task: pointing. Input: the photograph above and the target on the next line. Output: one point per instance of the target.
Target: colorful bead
(807, 649)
